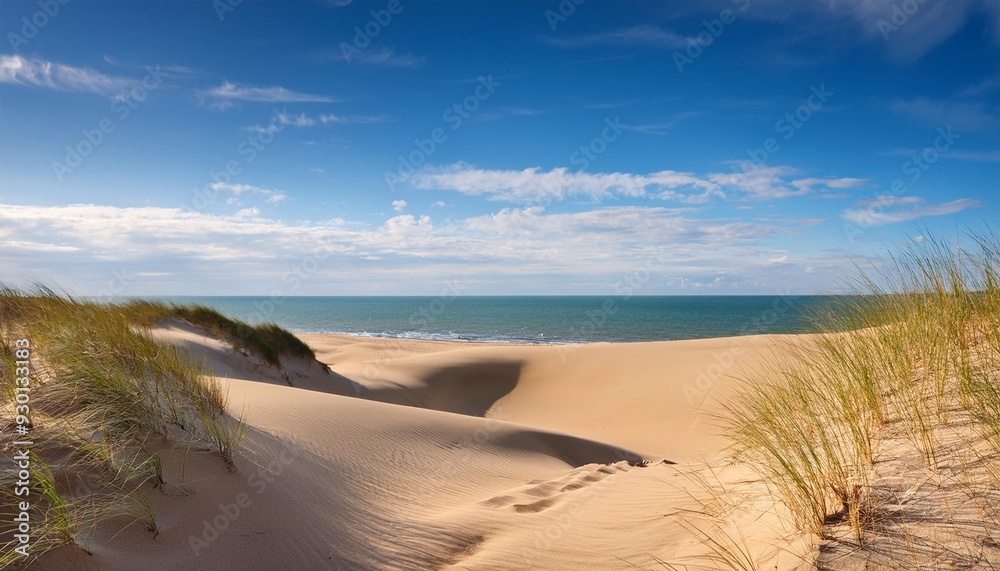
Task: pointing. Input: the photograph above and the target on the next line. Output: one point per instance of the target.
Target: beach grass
(267, 340)
(908, 362)
(101, 388)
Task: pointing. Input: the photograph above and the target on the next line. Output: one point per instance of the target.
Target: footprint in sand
(534, 507)
(538, 495)
(500, 501)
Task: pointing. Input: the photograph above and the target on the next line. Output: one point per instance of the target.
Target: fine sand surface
(437, 455)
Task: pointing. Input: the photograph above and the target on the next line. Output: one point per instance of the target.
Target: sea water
(529, 319)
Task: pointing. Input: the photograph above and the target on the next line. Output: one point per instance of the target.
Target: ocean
(528, 319)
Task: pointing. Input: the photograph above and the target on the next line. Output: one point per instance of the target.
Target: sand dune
(228, 363)
(635, 395)
(503, 457)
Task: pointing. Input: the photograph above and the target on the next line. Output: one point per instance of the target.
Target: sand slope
(656, 397)
(505, 457)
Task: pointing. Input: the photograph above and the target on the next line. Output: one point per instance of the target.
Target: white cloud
(650, 128)
(763, 182)
(536, 185)
(636, 36)
(892, 209)
(253, 251)
(247, 213)
(952, 153)
(634, 223)
(300, 120)
(930, 25)
(386, 57)
(533, 185)
(977, 156)
(303, 120)
(497, 113)
(407, 225)
(33, 72)
(843, 182)
(273, 94)
(280, 120)
(919, 31)
(36, 246)
(810, 184)
(399, 205)
(760, 182)
(270, 195)
(353, 119)
(612, 104)
(890, 200)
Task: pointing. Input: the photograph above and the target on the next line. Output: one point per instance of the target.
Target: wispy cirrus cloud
(647, 36)
(760, 182)
(353, 119)
(890, 209)
(284, 119)
(385, 57)
(300, 120)
(19, 70)
(228, 92)
(612, 104)
(281, 120)
(649, 128)
(961, 115)
(175, 71)
(905, 36)
(534, 185)
(973, 156)
(779, 182)
(923, 29)
(500, 112)
(987, 86)
(831, 183)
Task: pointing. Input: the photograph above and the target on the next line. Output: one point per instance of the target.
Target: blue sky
(324, 148)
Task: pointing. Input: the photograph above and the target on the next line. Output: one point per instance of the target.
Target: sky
(722, 147)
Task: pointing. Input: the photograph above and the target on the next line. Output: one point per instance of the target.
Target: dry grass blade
(915, 347)
(101, 387)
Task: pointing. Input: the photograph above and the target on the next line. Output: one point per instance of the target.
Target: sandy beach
(331, 285)
(441, 455)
